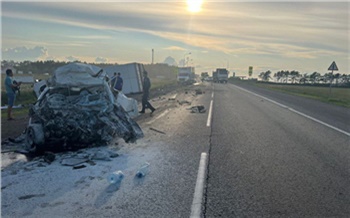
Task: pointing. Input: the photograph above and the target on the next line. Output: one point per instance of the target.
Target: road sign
(250, 71)
(333, 66)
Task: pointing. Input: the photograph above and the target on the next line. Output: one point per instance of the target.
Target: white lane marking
(161, 115)
(212, 95)
(210, 112)
(319, 121)
(297, 112)
(198, 191)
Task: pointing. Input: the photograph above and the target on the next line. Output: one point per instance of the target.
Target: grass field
(336, 96)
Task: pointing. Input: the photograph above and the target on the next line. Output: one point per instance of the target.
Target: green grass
(337, 96)
(158, 83)
(27, 96)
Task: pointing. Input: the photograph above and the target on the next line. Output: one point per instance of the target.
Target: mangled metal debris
(199, 92)
(73, 161)
(77, 108)
(184, 102)
(156, 130)
(197, 109)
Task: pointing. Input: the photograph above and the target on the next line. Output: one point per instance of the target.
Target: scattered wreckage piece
(197, 109)
(199, 92)
(184, 102)
(156, 130)
(73, 161)
(77, 108)
(172, 98)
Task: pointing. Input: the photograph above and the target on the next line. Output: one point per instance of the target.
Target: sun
(194, 5)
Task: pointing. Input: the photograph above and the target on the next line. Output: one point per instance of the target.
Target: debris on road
(172, 98)
(156, 130)
(49, 157)
(77, 108)
(73, 161)
(199, 92)
(115, 177)
(78, 167)
(184, 102)
(143, 171)
(197, 109)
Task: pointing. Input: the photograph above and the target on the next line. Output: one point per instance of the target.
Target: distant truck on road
(220, 75)
(204, 76)
(186, 75)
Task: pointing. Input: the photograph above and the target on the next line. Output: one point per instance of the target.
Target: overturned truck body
(78, 109)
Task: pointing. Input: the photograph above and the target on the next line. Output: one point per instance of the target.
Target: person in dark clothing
(113, 79)
(145, 96)
(119, 84)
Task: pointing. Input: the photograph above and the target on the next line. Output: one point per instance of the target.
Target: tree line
(295, 77)
(41, 67)
(163, 71)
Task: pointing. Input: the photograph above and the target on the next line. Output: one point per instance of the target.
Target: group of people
(117, 86)
(117, 82)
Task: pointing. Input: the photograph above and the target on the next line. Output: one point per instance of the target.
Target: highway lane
(267, 161)
(333, 115)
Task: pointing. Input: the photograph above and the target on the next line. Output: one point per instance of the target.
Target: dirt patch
(13, 128)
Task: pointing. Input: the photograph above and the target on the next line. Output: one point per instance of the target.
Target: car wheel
(34, 137)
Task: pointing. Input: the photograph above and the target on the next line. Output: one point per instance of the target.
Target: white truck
(220, 75)
(186, 75)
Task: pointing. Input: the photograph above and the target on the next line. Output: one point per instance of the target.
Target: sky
(302, 36)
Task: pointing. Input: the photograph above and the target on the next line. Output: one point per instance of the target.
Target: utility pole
(185, 62)
(152, 56)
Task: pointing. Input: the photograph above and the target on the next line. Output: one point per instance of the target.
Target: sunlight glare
(194, 5)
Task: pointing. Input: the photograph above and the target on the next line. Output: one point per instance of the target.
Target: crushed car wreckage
(77, 108)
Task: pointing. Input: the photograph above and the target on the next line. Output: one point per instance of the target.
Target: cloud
(278, 31)
(72, 59)
(170, 61)
(24, 53)
(101, 60)
(175, 48)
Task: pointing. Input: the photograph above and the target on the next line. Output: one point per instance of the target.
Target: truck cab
(186, 75)
(220, 75)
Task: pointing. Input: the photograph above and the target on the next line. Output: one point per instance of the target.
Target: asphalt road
(268, 161)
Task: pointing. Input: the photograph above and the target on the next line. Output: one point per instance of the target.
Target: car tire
(34, 137)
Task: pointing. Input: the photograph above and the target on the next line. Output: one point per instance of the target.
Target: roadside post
(333, 67)
(250, 72)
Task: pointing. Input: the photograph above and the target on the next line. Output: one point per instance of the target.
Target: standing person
(119, 84)
(145, 96)
(10, 91)
(113, 79)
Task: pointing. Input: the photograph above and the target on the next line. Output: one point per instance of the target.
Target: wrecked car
(78, 109)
